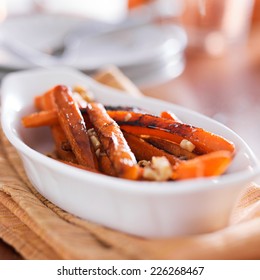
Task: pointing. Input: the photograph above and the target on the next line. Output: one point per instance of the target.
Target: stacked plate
(145, 51)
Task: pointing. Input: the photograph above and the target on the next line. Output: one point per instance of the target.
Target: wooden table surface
(225, 88)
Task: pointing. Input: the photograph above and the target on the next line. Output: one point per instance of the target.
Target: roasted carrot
(170, 147)
(145, 124)
(78, 96)
(44, 101)
(60, 140)
(42, 118)
(50, 118)
(72, 123)
(59, 137)
(38, 102)
(82, 105)
(211, 164)
(113, 142)
(145, 151)
(48, 102)
(104, 162)
(171, 150)
(105, 165)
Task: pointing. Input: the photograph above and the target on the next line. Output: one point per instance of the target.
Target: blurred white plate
(38, 32)
(126, 48)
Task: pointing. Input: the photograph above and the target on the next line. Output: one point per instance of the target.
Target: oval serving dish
(147, 209)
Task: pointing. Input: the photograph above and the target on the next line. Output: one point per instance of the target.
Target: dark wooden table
(225, 88)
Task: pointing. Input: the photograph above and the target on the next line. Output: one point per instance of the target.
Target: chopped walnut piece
(187, 145)
(159, 170)
(127, 117)
(94, 141)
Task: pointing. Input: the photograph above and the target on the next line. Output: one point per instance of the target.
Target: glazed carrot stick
(44, 101)
(145, 151)
(211, 164)
(82, 105)
(78, 96)
(72, 123)
(41, 118)
(145, 124)
(60, 141)
(105, 165)
(104, 162)
(170, 147)
(59, 137)
(38, 102)
(48, 116)
(113, 142)
(48, 102)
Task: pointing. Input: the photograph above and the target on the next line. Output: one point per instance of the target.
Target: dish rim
(183, 186)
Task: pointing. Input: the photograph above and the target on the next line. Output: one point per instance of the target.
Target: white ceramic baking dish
(147, 209)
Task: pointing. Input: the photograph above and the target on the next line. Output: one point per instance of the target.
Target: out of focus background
(201, 54)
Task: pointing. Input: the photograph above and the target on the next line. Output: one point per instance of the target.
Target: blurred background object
(223, 84)
(256, 13)
(110, 11)
(217, 26)
(136, 3)
(213, 27)
(16, 7)
(88, 35)
(3, 11)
